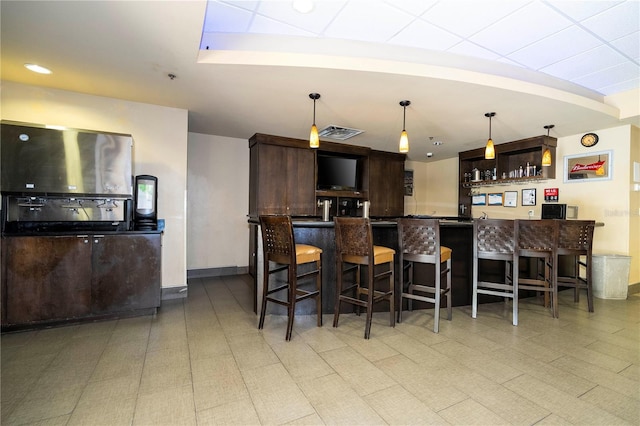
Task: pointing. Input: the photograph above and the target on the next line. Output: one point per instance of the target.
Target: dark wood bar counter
(455, 234)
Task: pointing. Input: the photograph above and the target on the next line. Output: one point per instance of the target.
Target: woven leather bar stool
(419, 242)
(354, 248)
(494, 240)
(279, 247)
(575, 239)
(537, 239)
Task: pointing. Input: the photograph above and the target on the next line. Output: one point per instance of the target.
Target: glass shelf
(507, 181)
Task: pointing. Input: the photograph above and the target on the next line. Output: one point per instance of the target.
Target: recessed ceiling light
(302, 6)
(37, 68)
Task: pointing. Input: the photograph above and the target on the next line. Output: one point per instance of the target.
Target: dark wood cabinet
(126, 272)
(282, 177)
(46, 278)
(386, 184)
(58, 278)
(510, 158)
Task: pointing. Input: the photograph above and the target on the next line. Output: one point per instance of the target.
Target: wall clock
(589, 139)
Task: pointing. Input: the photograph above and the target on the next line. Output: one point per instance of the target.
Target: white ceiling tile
(264, 25)
(370, 21)
(565, 39)
(470, 49)
(226, 18)
(426, 36)
(466, 18)
(616, 22)
(622, 86)
(251, 5)
(315, 21)
(523, 27)
(564, 44)
(414, 7)
(586, 63)
(506, 60)
(609, 76)
(579, 10)
(629, 45)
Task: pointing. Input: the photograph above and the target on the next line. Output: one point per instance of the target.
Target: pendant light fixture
(489, 150)
(314, 140)
(546, 155)
(404, 138)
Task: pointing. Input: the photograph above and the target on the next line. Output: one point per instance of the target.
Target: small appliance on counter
(145, 211)
(554, 211)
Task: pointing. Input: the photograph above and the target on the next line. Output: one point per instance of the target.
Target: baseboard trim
(634, 288)
(217, 272)
(177, 292)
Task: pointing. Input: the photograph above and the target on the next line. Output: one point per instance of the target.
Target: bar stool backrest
(537, 235)
(353, 237)
(419, 236)
(576, 235)
(494, 236)
(277, 239)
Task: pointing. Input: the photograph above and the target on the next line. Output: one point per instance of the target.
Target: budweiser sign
(587, 167)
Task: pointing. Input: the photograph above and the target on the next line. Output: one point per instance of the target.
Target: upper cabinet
(281, 177)
(517, 161)
(288, 177)
(386, 184)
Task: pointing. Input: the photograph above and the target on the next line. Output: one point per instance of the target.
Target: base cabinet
(46, 278)
(58, 278)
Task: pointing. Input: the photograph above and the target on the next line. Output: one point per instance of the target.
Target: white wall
(218, 202)
(160, 149)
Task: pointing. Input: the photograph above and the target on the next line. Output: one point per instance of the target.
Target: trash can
(610, 276)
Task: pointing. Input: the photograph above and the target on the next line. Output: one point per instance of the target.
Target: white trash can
(611, 276)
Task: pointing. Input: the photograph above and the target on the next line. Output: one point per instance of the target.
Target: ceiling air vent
(339, 133)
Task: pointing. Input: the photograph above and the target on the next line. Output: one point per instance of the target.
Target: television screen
(337, 173)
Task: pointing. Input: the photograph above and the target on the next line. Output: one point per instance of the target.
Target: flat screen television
(337, 173)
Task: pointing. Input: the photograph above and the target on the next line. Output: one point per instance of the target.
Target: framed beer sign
(590, 167)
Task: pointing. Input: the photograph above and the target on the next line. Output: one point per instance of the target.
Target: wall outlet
(531, 212)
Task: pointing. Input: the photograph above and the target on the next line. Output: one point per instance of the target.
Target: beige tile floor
(201, 360)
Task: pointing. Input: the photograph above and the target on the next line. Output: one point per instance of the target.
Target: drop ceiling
(243, 67)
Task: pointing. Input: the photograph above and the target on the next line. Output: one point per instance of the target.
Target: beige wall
(160, 149)
(634, 209)
(610, 202)
(435, 188)
(218, 202)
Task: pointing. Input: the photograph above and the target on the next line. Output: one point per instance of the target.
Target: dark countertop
(316, 222)
(75, 233)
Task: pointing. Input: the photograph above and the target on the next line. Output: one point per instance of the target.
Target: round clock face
(590, 139)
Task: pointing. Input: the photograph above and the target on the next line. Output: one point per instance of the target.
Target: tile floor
(201, 360)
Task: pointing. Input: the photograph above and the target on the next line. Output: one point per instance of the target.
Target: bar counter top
(316, 222)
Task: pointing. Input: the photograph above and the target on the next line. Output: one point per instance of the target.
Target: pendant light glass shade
(546, 158)
(404, 142)
(546, 155)
(489, 149)
(314, 140)
(403, 146)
